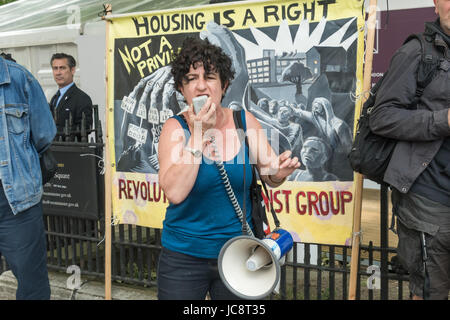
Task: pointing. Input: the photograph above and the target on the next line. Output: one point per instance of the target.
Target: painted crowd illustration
(298, 81)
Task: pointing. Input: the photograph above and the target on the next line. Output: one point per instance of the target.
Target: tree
(296, 73)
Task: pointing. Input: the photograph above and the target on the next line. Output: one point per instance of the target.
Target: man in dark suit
(69, 99)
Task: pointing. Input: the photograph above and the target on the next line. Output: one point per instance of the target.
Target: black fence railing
(135, 253)
(312, 271)
(75, 241)
(327, 278)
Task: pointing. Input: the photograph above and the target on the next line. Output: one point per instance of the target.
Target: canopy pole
(108, 166)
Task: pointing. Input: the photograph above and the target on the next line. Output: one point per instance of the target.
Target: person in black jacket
(419, 170)
(69, 99)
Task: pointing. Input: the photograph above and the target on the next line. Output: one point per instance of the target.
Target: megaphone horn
(250, 267)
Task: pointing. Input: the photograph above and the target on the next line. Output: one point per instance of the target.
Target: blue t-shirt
(201, 224)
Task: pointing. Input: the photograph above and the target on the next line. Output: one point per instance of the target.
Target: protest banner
(298, 71)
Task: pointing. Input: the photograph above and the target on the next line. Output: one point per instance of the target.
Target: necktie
(55, 99)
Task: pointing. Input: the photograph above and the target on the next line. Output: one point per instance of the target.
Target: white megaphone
(250, 267)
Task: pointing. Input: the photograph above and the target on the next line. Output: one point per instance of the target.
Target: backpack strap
(426, 70)
(428, 64)
(237, 116)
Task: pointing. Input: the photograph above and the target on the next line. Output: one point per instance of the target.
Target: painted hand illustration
(154, 100)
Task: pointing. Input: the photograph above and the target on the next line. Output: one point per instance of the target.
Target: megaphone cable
(228, 188)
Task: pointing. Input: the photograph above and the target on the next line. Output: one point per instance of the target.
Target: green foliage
(2, 2)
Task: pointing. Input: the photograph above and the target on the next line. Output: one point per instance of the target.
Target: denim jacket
(26, 129)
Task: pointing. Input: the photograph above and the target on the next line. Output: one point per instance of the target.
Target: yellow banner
(286, 54)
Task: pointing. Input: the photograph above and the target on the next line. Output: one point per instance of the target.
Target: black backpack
(371, 153)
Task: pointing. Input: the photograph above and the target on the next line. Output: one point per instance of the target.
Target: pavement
(88, 290)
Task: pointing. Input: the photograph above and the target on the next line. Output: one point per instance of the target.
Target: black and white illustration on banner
(297, 80)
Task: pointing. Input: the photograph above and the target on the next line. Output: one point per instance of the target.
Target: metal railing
(321, 273)
(313, 272)
(327, 278)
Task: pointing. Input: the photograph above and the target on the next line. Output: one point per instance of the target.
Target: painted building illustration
(269, 68)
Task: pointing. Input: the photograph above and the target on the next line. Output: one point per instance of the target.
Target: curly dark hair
(195, 50)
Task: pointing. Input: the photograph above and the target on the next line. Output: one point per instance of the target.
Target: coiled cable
(228, 188)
